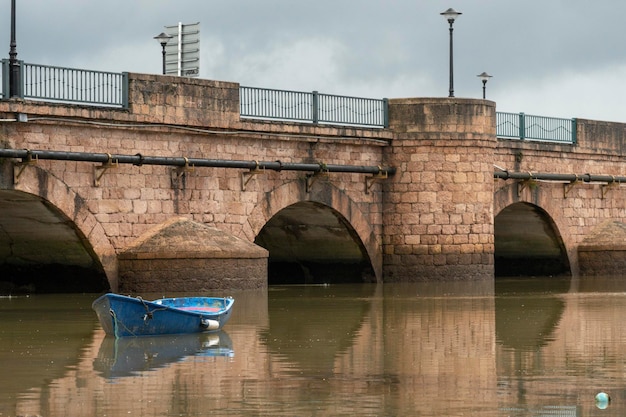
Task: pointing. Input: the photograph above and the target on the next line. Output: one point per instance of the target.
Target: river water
(534, 347)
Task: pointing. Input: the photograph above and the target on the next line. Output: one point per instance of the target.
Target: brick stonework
(440, 221)
(191, 275)
(578, 211)
(191, 256)
(432, 220)
(183, 117)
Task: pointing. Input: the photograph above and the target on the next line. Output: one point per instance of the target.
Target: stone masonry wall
(578, 210)
(439, 224)
(183, 117)
(432, 220)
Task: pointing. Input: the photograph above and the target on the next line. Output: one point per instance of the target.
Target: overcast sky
(561, 58)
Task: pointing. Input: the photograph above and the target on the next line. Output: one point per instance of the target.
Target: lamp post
(163, 38)
(14, 65)
(450, 15)
(484, 77)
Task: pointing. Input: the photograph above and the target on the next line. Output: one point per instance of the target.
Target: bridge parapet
(188, 103)
(69, 85)
(598, 150)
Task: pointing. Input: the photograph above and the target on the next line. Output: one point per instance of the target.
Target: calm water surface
(521, 348)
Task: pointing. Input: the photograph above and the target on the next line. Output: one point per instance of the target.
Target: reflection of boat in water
(130, 355)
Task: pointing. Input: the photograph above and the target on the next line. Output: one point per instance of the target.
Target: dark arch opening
(310, 243)
(528, 243)
(42, 251)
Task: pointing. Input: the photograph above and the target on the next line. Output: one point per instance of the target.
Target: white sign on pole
(182, 52)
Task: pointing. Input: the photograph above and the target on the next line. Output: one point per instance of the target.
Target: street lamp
(14, 65)
(163, 38)
(484, 77)
(450, 15)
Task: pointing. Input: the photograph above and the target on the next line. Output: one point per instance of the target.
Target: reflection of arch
(296, 343)
(526, 320)
(327, 194)
(527, 233)
(50, 188)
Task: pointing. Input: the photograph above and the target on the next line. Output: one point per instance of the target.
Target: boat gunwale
(228, 301)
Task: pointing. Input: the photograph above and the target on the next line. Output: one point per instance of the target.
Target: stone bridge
(97, 198)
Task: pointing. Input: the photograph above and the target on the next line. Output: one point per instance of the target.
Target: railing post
(21, 87)
(125, 90)
(4, 71)
(522, 126)
(385, 113)
(9, 76)
(574, 131)
(315, 107)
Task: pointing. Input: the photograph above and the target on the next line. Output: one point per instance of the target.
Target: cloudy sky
(561, 58)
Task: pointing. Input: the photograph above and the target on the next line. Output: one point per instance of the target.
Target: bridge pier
(186, 256)
(439, 205)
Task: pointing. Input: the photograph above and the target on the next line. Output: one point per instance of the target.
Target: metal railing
(312, 107)
(539, 128)
(69, 85)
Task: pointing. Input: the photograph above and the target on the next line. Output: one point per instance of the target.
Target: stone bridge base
(185, 256)
(603, 252)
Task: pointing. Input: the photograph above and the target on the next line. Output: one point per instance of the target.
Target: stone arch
(541, 199)
(41, 183)
(325, 193)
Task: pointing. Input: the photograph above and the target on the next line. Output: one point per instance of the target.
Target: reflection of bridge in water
(450, 342)
(312, 327)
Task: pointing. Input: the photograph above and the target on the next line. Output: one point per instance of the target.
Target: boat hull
(123, 316)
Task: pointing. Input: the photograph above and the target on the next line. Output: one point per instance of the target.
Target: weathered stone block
(183, 255)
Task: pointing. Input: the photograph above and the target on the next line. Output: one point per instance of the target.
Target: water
(524, 348)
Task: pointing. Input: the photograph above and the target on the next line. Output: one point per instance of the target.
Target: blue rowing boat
(122, 316)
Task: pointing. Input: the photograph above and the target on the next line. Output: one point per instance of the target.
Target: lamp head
(163, 38)
(484, 76)
(450, 15)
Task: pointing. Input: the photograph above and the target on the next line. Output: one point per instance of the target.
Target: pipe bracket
(99, 170)
(606, 187)
(568, 187)
(369, 181)
(22, 165)
(522, 185)
(311, 179)
(180, 171)
(247, 176)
